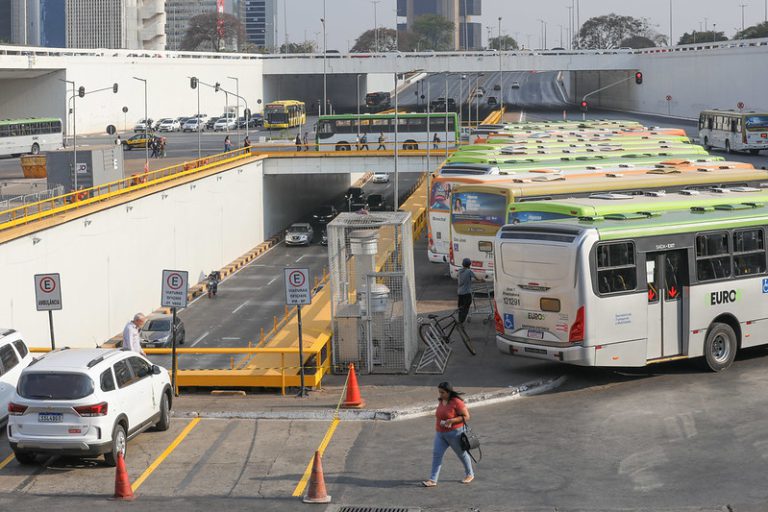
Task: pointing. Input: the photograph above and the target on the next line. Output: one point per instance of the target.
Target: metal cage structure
(373, 295)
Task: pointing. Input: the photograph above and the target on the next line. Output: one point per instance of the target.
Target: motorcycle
(213, 284)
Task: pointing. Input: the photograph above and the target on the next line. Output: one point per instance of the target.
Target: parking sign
(297, 289)
(48, 292)
(175, 287)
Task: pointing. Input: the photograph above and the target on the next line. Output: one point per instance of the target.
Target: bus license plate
(50, 417)
(539, 335)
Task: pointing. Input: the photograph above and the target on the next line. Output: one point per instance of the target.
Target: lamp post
(477, 102)
(237, 109)
(501, 74)
(461, 100)
(446, 114)
(714, 32)
(375, 26)
(397, 176)
(146, 121)
(193, 83)
(742, 15)
(74, 131)
(325, 56)
(466, 28)
(358, 105)
(670, 23)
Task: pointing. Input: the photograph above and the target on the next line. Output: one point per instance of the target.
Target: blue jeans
(442, 441)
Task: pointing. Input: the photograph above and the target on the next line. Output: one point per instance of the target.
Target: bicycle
(444, 328)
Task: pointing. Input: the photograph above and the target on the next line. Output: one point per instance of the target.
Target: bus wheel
(35, 149)
(719, 347)
(342, 147)
(728, 147)
(706, 144)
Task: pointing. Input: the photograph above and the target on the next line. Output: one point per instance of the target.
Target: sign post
(48, 298)
(669, 104)
(740, 106)
(174, 295)
(298, 293)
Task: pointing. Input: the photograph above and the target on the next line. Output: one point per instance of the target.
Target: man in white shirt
(131, 339)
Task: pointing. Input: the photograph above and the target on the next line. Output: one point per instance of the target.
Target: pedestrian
(357, 142)
(162, 147)
(381, 142)
(153, 146)
(298, 142)
(450, 420)
(227, 144)
(118, 142)
(131, 339)
(247, 144)
(465, 289)
(305, 140)
(364, 142)
(435, 142)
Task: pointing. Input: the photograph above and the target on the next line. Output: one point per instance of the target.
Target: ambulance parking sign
(48, 292)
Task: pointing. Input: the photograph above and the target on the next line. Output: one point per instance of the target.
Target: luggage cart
(482, 301)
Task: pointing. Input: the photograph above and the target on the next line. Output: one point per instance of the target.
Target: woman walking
(450, 416)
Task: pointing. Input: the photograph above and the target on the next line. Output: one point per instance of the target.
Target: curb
(512, 393)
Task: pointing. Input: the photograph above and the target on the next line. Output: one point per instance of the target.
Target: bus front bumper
(575, 354)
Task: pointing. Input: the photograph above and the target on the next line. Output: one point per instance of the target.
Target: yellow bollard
(282, 371)
(275, 323)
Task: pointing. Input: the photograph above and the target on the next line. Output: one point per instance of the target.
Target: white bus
(734, 131)
(626, 291)
(19, 136)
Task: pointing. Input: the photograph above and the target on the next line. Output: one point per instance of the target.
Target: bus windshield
(757, 122)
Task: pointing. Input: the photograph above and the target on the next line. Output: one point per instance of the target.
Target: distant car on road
(211, 121)
(324, 214)
(191, 125)
(492, 101)
(169, 125)
(140, 140)
(225, 123)
(515, 85)
(143, 125)
(15, 356)
(438, 105)
(355, 198)
(376, 203)
(381, 177)
(299, 233)
(157, 333)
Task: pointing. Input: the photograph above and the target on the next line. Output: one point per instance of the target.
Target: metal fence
(373, 297)
(31, 198)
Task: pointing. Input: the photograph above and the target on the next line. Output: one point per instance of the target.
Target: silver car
(300, 233)
(156, 332)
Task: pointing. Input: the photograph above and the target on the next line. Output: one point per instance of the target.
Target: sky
(346, 19)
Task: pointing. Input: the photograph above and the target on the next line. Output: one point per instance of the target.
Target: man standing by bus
(465, 289)
(381, 142)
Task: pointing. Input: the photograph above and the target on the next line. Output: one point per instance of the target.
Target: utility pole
(375, 25)
(742, 15)
(670, 24)
(501, 80)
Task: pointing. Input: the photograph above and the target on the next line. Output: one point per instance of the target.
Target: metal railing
(32, 198)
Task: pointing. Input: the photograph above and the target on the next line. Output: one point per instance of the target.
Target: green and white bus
(734, 131)
(19, 136)
(631, 290)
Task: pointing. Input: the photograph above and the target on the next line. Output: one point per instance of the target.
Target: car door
(9, 375)
(143, 393)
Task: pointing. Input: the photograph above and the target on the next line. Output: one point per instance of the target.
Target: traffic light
(217, 87)
(81, 91)
(638, 78)
(114, 88)
(193, 82)
(584, 106)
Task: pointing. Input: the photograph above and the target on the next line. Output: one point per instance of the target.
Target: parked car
(299, 233)
(381, 177)
(14, 357)
(169, 125)
(191, 125)
(253, 122)
(325, 214)
(86, 403)
(355, 198)
(225, 123)
(157, 333)
(438, 105)
(143, 125)
(376, 203)
(491, 101)
(211, 121)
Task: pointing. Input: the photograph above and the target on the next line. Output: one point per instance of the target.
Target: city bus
(645, 157)
(479, 211)
(506, 137)
(377, 101)
(284, 114)
(516, 148)
(734, 131)
(415, 131)
(19, 136)
(543, 155)
(630, 291)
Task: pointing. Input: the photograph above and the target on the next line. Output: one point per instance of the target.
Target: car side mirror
(156, 370)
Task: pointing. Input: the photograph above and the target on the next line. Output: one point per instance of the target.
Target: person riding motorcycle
(213, 283)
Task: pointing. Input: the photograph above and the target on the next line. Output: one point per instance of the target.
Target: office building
(457, 11)
(130, 24)
(259, 19)
(5, 21)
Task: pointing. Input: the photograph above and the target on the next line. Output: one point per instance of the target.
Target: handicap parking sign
(765, 285)
(509, 321)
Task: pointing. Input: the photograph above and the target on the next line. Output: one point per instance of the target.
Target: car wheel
(119, 445)
(719, 347)
(35, 149)
(164, 423)
(25, 458)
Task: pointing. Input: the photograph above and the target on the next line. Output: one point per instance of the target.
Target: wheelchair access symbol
(765, 285)
(509, 321)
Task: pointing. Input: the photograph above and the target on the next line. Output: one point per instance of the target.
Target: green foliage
(610, 30)
(433, 32)
(753, 32)
(203, 33)
(366, 42)
(503, 43)
(708, 36)
(305, 47)
(637, 42)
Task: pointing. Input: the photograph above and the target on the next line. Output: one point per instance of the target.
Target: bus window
(673, 276)
(325, 128)
(616, 270)
(650, 273)
(712, 257)
(748, 252)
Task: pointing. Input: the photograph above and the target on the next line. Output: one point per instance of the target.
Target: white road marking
(198, 340)
(300, 258)
(241, 306)
(230, 339)
(272, 281)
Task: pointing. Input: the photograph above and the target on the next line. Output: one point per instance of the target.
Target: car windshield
(325, 210)
(298, 229)
(158, 325)
(54, 386)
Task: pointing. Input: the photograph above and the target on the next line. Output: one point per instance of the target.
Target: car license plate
(50, 417)
(539, 335)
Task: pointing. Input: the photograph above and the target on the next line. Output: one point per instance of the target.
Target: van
(14, 357)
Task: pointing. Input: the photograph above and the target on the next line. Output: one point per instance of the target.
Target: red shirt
(446, 412)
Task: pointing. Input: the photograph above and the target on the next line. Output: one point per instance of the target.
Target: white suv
(86, 402)
(14, 357)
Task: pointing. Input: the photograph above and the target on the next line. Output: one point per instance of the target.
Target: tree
(209, 32)
(637, 42)
(610, 30)
(433, 32)
(366, 42)
(503, 43)
(702, 37)
(753, 32)
(305, 47)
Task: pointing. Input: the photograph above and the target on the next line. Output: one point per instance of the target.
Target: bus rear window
(616, 269)
(528, 262)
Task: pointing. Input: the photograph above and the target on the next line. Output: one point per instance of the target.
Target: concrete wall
(39, 96)
(357, 164)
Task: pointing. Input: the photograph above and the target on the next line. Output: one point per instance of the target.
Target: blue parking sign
(509, 321)
(765, 285)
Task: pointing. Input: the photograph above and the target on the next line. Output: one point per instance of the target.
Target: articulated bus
(543, 155)
(479, 211)
(734, 131)
(415, 131)
(629, 292)
(284, 114)
(18, 136)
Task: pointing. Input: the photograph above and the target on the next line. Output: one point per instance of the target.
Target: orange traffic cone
(123, 489)
(317, 492)
(354, 400)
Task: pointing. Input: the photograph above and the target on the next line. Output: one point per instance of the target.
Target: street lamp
(193, 83)
(325, 56)
(375, 26)
(358, 105)
(237, 110)
(501, 76)
(146, 128)
(74, 130)
(714, 32)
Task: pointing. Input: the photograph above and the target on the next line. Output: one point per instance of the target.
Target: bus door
(667, 277)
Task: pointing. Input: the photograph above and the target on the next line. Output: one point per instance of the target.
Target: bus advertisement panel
(476, 216)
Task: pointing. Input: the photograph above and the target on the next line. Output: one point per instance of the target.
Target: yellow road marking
(302, 485)
(7, 461)
(165, 454)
